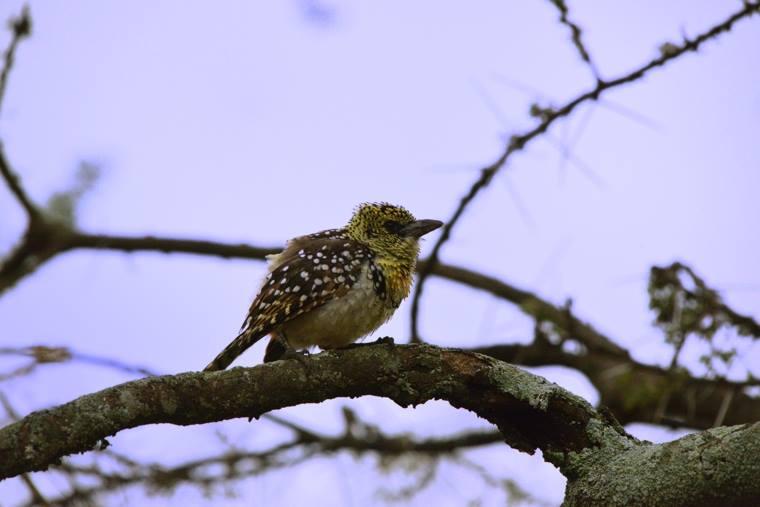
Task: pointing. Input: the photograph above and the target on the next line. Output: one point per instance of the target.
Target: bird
(330, 288)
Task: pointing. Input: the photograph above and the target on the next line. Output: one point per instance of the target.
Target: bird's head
(390, 231)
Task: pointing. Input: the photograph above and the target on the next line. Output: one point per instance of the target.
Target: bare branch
(530, 304)
(41, 354)
(15, 186)
(519, 141)
(170, 245)
(21, 28)
(42, 241)
(576, 33)
(632, 390)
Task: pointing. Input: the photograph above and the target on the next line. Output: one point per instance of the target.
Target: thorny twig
(21, 27)
(576, 33)
(519, 141)
(15, 186)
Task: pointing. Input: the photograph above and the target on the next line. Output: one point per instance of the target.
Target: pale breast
(341, 321)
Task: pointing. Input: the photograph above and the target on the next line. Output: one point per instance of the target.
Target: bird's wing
(304, 279)
(294, 245)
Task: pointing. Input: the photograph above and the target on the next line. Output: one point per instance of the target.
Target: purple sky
(257, 122)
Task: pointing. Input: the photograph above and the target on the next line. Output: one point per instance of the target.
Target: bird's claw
(299, 355)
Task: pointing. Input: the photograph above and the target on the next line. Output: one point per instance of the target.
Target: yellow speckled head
(389, 230)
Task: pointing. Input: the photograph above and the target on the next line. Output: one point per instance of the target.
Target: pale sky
(257, 122)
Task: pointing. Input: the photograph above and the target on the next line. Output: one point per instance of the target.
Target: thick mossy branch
(530, 412)
(715, 467)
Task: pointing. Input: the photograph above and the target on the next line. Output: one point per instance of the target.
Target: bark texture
(718, 467)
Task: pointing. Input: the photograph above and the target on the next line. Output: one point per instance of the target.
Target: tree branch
(43, 354)
(42, 241)
(12, 180)
(21, 28)
(169, 245)
(576, 34)
(709, 468)
(590, 448)
(633, 391)
(45, 240)
(529, 303)
(549, 116)
(530, 412)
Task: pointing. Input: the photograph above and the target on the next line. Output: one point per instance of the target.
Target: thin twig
(169, 245)
(577, 35)
(518, 142)
(21, 28)
(12, 180)
(41, 354)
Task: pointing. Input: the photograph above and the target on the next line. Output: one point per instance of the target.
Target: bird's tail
(236, 347)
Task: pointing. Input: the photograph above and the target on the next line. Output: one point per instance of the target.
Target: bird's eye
(392, 226)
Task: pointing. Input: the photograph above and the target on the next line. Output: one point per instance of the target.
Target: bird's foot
(299, 355)
(278, 350)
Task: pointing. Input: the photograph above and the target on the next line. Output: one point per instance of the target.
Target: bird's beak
(420, 228)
